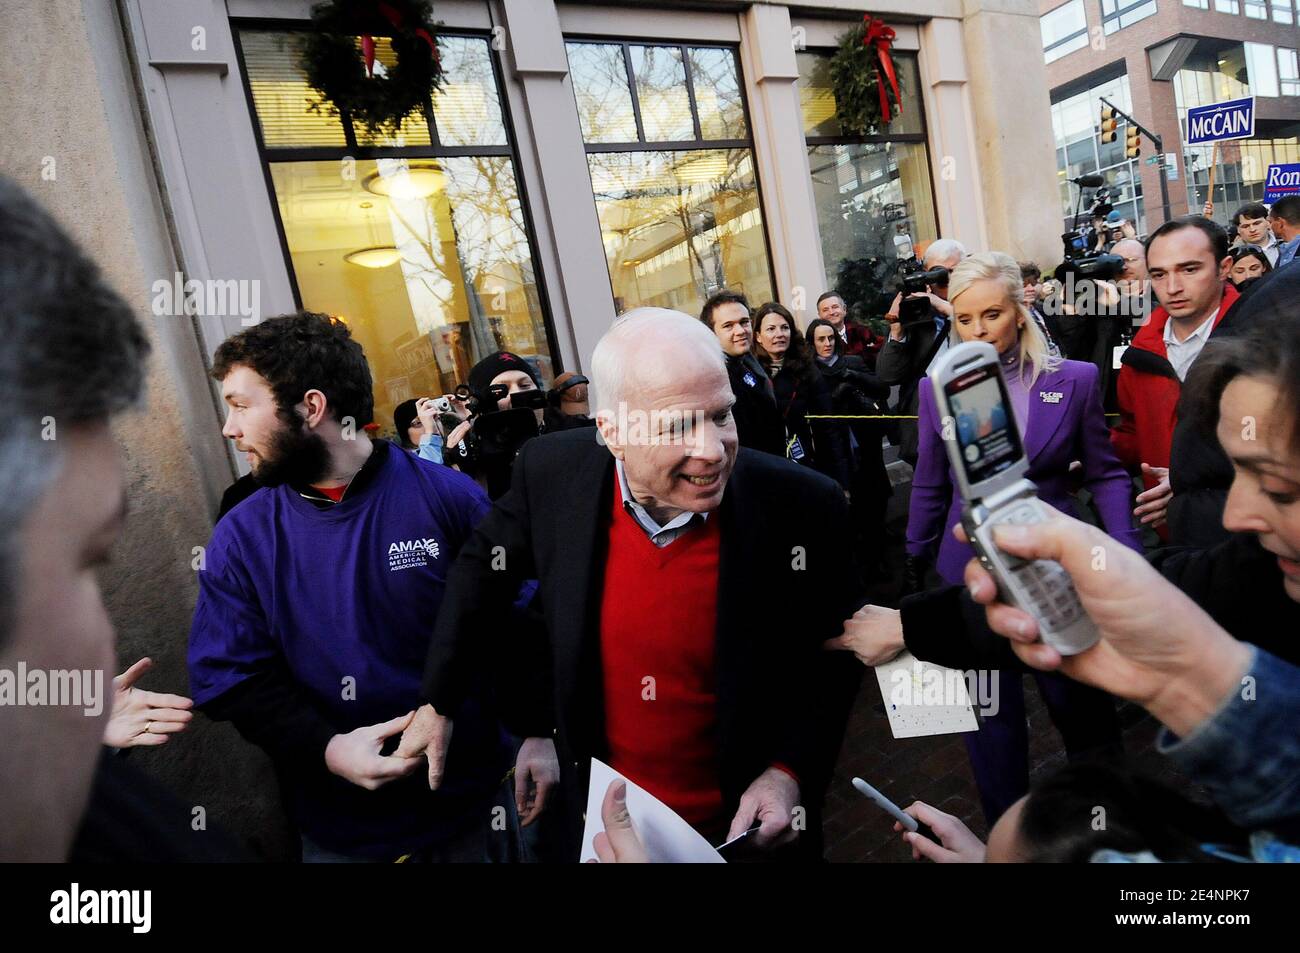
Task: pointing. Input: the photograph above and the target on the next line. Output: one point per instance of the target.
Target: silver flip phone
(989, 463)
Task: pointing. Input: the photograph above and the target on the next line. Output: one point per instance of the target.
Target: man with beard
(316, 604)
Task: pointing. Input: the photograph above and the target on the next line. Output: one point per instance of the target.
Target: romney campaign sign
(1281, 181)
(1234, 119)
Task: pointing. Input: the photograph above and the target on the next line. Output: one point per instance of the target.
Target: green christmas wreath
(862, 76)
(344, 76)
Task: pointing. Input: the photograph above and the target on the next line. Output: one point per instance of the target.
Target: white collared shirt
(1183, 353)
(661, 536)
(1271, 249)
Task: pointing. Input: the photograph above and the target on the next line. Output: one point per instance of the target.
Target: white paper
(667, 838)
(924, 699)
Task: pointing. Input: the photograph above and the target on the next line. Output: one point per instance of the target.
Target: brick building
(1156, 59)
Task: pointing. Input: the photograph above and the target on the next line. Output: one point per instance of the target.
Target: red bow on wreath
(882, 37)
(394, 18)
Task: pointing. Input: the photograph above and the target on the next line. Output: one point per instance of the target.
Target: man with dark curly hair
(316, 605)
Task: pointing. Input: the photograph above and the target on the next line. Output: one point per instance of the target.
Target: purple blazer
(1071, 428)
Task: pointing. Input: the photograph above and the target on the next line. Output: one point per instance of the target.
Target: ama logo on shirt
(411, 553)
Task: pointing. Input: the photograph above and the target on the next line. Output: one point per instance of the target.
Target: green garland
(336, 69)
(855, 81)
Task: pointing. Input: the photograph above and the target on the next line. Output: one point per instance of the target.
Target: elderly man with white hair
(687, 584)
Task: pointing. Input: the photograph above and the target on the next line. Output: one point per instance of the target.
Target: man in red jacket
(1188, 264)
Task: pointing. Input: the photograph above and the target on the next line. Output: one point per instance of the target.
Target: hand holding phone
(989, 464)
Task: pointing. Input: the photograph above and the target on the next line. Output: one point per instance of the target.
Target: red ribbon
(368, 50)
(882, 38)
(395, 19)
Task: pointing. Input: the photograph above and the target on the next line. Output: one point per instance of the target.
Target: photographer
(501, 421)
(420, 428)
(909, 349)
(1112, 230)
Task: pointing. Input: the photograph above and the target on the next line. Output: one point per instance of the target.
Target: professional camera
(495, 435)
(1080, 263)
(914, 279)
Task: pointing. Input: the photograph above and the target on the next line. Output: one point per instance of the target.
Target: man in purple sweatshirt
(317, 600)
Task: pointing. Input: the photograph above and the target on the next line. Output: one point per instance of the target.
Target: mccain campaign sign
(1234, 119)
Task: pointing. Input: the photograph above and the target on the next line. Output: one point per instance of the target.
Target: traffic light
(1109, 124)
(1132, 142)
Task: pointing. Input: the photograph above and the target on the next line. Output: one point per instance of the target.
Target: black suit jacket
(758, 421)
(786, 584)
(904, 363)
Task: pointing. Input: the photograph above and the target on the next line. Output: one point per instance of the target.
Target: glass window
(426, 256)
(1287, 72)
(1118, 14)
(1064, 30)
(1226, 6)
(873, 199)
(281, 95)
(1283, 11)
(1080, 151)
(1241, 163)
(717, 93)
(1256, 9)
(1199, 4)
(600, 86)
(679, 226)
(1081, 158)
(415, 128)
(661, 91)
(426, 261)
(817, 98)
(467, 110)
(678, 223)
(874, 208)
(1261, 68)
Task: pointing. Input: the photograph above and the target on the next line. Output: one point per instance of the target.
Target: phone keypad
(1044, 584)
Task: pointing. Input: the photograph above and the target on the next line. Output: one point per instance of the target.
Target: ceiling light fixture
(380, 256)
(416, 181)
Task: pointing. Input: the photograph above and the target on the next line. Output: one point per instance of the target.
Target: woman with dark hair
(855, 392)
(1249, 263)
(420, 428)
(800, 391)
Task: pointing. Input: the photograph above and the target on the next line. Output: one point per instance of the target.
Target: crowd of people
(433, 637)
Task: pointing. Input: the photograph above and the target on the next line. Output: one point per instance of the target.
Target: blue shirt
(430, 448)
(1247, 754)
(1288, 252)
(661, 536)
(345, 599)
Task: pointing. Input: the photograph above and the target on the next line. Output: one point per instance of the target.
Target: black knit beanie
(481, 374)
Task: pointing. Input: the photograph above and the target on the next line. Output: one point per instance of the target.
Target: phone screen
(985, 426)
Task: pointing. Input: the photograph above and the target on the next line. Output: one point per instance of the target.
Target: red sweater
(1148, 400)
(658, 619)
